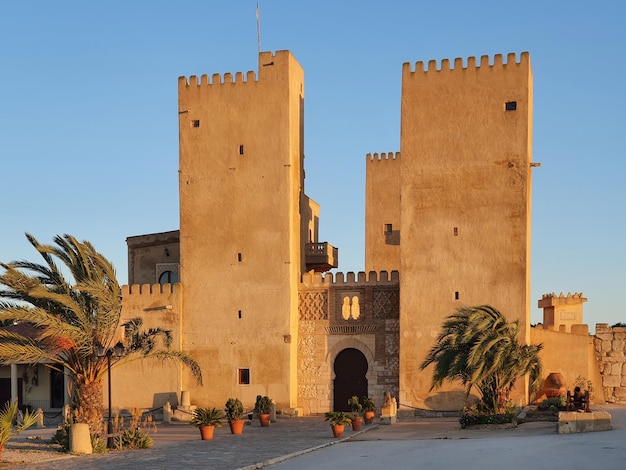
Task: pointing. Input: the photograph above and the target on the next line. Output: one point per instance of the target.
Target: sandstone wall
(610, 349)
(570, 354)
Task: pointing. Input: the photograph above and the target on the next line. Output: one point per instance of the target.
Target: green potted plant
(356, 408)
(234, 412)
(206, 419)
(369, 409)
(338, 421)
(263, 408)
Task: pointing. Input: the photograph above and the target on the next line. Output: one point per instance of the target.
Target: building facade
(247, 286)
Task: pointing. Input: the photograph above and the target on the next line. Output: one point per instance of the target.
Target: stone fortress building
(245, 286)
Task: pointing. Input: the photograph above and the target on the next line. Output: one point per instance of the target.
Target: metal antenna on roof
(258, 27)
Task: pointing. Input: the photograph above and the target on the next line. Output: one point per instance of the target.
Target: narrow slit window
(239, 257)
(239, 314)
(388, 228)
(243, 376)
(456, 231)
(241, 150)
(510, 105)
(195, 123)
(456, 295)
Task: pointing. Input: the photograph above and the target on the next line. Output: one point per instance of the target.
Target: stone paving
(178, 446)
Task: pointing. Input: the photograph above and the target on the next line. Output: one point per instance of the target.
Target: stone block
(584, 422)
(388, 420)
(574, 422)
(604, 336)
(567, 422)
(602, 421)
(610, 381)
(620, 393)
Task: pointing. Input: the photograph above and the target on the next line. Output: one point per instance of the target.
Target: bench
(577, 401)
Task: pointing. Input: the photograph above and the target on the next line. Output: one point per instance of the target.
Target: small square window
(243, 376)
(510, 105)
(195, 123)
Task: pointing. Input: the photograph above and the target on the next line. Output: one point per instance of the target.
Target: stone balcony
(321, 257)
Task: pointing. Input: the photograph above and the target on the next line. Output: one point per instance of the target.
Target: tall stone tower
(465, 182)
(382, 212)
(241, 235)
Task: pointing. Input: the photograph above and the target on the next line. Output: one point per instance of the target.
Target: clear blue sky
(89, 133)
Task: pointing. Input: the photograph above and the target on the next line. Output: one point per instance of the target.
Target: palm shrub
(8, 416)
(73, 303)
(206, 417)
(134, 438)
(338, 418)
(480, 349)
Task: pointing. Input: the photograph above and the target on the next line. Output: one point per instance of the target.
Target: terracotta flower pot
(554, 385)
(338, 430)
(369, 417)
(357, 423)
(236, 426)
(206, 432)
(264, 419)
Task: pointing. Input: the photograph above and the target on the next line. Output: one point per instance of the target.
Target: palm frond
(479, 348)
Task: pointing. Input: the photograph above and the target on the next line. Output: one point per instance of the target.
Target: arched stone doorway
(350, 377)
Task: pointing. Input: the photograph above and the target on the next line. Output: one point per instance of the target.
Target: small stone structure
(167, 413)
(389, 410)
(80, 440)
(571, 422)
(184, 411)
(562, 312)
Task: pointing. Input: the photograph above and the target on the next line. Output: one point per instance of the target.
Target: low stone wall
(610, 347)
(571, 422)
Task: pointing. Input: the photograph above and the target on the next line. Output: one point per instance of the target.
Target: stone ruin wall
(324, 331)
(610, 347)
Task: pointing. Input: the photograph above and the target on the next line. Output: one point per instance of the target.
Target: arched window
(168, 277)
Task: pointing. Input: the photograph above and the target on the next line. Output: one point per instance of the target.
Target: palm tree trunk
(90, 409)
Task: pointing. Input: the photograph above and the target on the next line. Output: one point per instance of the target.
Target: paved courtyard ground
(301, 443)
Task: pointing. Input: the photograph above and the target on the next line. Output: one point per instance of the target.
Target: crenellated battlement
(151, 290)
(349, 279)
(549, 300)
(216, 79)
(267, 60)
(383, 157)
(485, 65)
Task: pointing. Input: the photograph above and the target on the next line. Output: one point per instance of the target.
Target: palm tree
(73, 308)
(479, 348)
